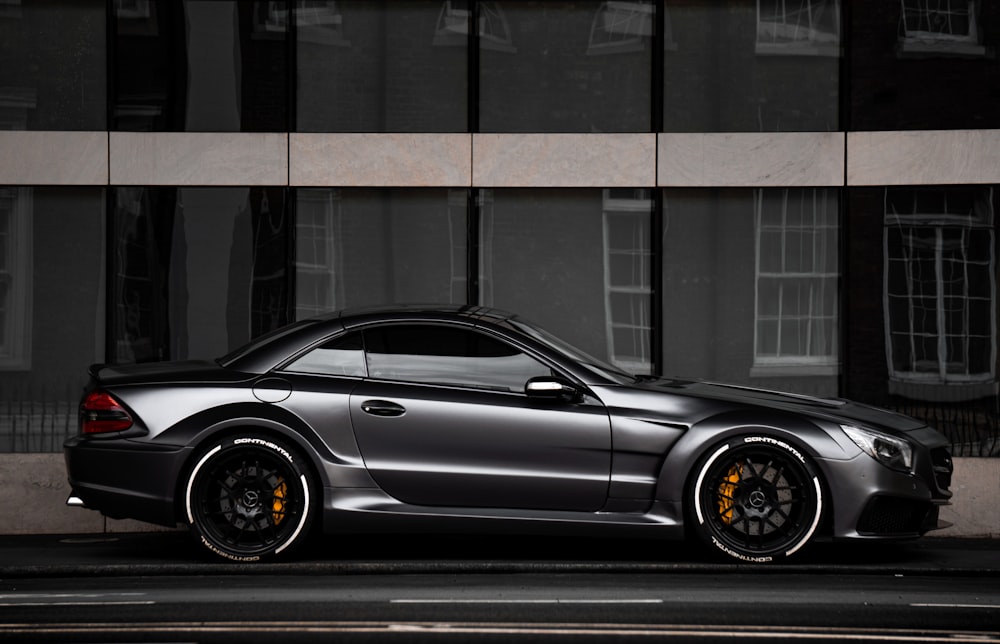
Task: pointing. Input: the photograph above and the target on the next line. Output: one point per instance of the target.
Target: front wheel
(757, 499)
(249, 498)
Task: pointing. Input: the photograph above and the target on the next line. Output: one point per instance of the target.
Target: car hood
(837, 410)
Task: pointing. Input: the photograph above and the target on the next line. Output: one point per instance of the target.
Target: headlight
(888, 450)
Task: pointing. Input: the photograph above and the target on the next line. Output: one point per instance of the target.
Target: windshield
(601, 367)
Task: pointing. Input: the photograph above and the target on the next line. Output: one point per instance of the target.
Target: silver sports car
(468, 419)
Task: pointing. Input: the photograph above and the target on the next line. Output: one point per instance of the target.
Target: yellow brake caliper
(278, 506)
(726, 492)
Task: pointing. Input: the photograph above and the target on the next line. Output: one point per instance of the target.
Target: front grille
(943, 467)
(887, 515)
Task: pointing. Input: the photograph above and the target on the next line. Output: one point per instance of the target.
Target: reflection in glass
(565, 66)
(797, 277)
(577, 262)
(358, 247)
(924, 65)
(52, 65)
(386, 66)
(196, 271)
(51, 310)
(750, 287)
(752, 66)
(940, 292)
(199, 65)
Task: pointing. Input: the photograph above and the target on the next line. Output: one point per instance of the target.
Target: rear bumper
(124, 479)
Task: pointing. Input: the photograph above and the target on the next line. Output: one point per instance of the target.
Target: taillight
(100, 413)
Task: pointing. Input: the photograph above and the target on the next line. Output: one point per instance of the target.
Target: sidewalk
(176, 553)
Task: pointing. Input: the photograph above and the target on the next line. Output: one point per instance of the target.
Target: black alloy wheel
(249, 498)
(757, 499)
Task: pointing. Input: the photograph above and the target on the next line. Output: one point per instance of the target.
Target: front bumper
(124, 479)
(871, 501)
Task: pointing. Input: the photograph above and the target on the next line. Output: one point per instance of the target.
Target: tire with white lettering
(757, 499)
(249, 498)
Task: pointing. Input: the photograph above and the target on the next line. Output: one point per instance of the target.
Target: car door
(443, 420)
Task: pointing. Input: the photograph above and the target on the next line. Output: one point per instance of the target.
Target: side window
(443, 355)
(343, 356)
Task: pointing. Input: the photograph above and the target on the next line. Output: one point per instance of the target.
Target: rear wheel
(249, 498)
(757, 499)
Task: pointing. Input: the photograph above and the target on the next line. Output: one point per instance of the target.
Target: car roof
(268, 351)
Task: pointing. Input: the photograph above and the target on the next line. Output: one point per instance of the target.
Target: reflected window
(940, 292)
(448, 356)
(796, 321)
(15, 277)
(621, 27)
(359, 247)
(627, 275)
(799, 27)
(940, 26)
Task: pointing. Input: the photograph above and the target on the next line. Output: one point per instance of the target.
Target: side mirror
(553, 388)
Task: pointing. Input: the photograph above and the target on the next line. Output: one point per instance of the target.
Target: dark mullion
(473, 212)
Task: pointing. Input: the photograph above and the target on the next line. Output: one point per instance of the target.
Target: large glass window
(52, 65)
(578, 262)
(940, 293)
(580, 66)
(196, 272)
(749, 66)
(924, 65)
(199, 66)
(385, 66)
(51, 310)
(357, 247)
(750, 289)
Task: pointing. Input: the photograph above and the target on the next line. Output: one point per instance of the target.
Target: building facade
(795, 194)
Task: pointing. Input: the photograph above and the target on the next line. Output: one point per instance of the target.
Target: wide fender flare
(204, 427)
(809, 437)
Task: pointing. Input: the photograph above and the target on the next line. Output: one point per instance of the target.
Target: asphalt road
(158, 587)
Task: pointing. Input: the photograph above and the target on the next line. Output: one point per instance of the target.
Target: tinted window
(342, 356)
(444, 355)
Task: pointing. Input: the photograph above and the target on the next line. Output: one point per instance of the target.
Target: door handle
(382, 408)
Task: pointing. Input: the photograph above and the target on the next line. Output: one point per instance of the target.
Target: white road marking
(992, 606)
(12, 600)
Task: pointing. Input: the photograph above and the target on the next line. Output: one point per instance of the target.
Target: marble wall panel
(198, 159)
(403, 160)
(931, 157)
(768, 159)
(53, 158)
(563, 160)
